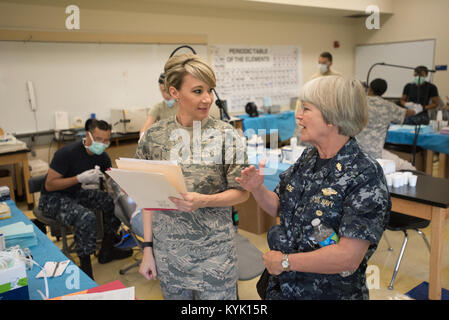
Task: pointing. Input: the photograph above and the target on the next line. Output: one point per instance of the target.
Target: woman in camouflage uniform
(194, 248)
(334, 181)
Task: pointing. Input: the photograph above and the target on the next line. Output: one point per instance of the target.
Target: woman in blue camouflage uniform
(334, 181)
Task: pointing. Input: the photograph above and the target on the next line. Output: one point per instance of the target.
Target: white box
(128, 120)
(13, 280)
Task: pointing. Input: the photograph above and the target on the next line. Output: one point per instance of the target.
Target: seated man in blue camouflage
(66, 198)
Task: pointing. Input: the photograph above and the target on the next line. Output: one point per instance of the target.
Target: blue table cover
(283, 122)
(427, 139)
(44, 251)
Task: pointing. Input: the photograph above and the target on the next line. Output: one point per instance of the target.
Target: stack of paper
(19, 234)
(5, 211)
(444, 130)
(149, 183)
(9, 143)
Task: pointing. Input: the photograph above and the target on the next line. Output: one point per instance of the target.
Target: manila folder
(171, 171)
(149, 190)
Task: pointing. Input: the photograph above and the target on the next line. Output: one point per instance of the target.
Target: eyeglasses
(99, 139)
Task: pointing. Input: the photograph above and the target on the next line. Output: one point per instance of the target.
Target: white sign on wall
(252, 73)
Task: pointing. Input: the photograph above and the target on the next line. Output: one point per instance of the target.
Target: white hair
(341, 101)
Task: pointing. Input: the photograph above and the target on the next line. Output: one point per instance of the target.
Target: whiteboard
(411, 54)
(79, 78)
(265, 75)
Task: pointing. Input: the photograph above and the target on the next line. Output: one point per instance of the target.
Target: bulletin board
(260, 74)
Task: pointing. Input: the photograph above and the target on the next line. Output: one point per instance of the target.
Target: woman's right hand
(252, 178)
(148, 265)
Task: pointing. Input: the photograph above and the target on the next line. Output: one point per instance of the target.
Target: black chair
(35, 184)
(403, 222)
(58, 230)
(124, 210)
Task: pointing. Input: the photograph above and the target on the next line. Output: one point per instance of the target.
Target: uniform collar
(338, 164)
(204, 123)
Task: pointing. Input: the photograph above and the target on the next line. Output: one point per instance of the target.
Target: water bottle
(323, 235)
(326, 236)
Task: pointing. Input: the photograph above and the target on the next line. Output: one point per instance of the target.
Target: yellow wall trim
(75, 36)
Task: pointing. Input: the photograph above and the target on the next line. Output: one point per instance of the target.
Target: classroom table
(283, 122)
(45, 251)
(16, 158)
(428, 200)
(78, 134)
(427, 139)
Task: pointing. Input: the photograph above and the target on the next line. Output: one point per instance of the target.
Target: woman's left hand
(272, 260)
(191, 201)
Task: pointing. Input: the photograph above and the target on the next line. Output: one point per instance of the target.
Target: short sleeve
(143, 149)
(283, 177)
(236, 161)
(397, 113)
(155, 111)
(406, 89)
(433, 91)
(59, 162)
(366, 209)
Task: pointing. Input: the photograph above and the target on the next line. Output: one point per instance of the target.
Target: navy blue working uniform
(74, 206)
(347, 193)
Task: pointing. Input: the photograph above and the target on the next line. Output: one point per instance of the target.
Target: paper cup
(389, 180)
(397, 181)
(433, 125)
(412, 180)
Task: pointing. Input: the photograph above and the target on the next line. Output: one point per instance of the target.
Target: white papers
(53, 269)
(148, 190)
(19, 234)
(119, 294)
(9, 143)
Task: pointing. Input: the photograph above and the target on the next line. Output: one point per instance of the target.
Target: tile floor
(414, 268)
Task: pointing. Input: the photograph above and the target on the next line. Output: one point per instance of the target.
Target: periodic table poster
(260, 74)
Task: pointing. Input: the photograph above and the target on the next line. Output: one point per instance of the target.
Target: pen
(56, 267)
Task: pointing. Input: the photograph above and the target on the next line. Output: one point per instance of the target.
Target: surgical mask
(323, 68)
(419, 80)
(96, 147)
(170, 102)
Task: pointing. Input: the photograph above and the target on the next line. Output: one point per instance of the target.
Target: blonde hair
(342, 102)
(179, 65)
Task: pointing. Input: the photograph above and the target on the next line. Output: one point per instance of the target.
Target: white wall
(416, 20)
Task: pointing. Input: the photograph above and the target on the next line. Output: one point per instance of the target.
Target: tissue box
(13, 280)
